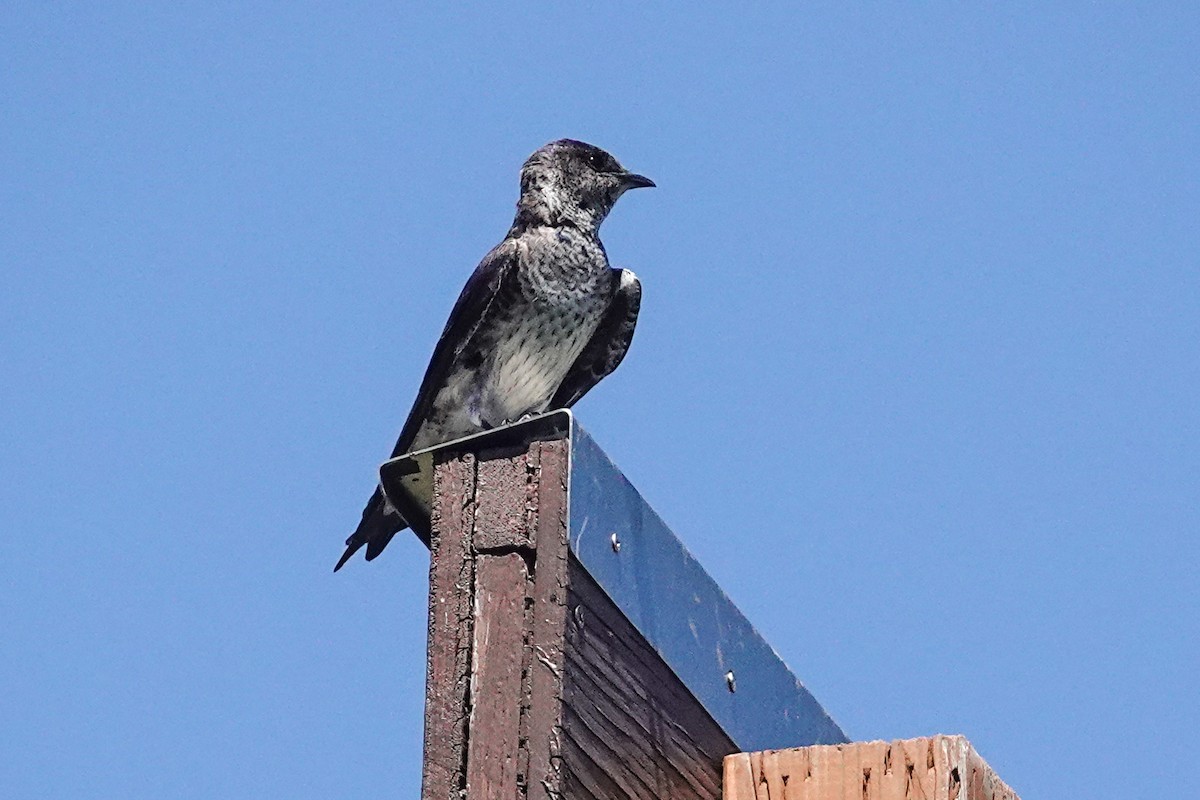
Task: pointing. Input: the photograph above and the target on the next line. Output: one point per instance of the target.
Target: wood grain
(543, 718)
(447, 681)
(928, 768)
(631, 728)
(498, 662)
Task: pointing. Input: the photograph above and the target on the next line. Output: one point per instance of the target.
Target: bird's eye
(596, 162)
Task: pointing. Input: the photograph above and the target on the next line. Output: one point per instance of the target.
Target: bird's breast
(531, 336)
(529, 364)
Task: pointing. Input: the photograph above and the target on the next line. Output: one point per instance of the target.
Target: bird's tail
(379, 524)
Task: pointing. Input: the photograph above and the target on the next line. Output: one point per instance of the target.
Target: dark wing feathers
(469, 311)
(378, 524)
(608, 345)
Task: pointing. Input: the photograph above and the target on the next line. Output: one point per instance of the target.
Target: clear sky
(916, 375)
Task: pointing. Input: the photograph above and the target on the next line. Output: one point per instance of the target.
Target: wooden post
(933, 767)
(538, 686)
(577, 650)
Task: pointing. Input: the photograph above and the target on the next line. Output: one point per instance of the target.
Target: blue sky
(916, 374)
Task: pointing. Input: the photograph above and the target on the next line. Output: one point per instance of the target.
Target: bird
(541, 321)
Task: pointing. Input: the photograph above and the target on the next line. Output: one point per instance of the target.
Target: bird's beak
(632, 180)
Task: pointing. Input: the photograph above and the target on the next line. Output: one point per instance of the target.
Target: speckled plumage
(542, 319)
(530, 338)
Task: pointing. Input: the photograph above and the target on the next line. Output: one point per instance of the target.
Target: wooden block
(506, 499)
(738, 777)
(929, 768)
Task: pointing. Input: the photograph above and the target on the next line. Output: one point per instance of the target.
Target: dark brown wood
(447, 676)
(630, 728)
(505, 500)
(543, 720)
(499, 641)
(539, 687)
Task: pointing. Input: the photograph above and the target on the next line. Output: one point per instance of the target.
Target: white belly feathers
(525, 372)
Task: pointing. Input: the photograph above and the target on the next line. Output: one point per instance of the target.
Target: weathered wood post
(577, 650)
(538, 687)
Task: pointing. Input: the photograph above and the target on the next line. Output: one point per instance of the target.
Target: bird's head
(574, 183)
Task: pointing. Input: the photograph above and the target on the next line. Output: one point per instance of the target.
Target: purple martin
(539, 323)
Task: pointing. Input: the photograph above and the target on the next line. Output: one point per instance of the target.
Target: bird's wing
(608, 344)
(379, 524)
(483, 288)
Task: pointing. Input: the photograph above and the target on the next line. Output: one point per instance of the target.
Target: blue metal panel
(683, 613)
(659, 586)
